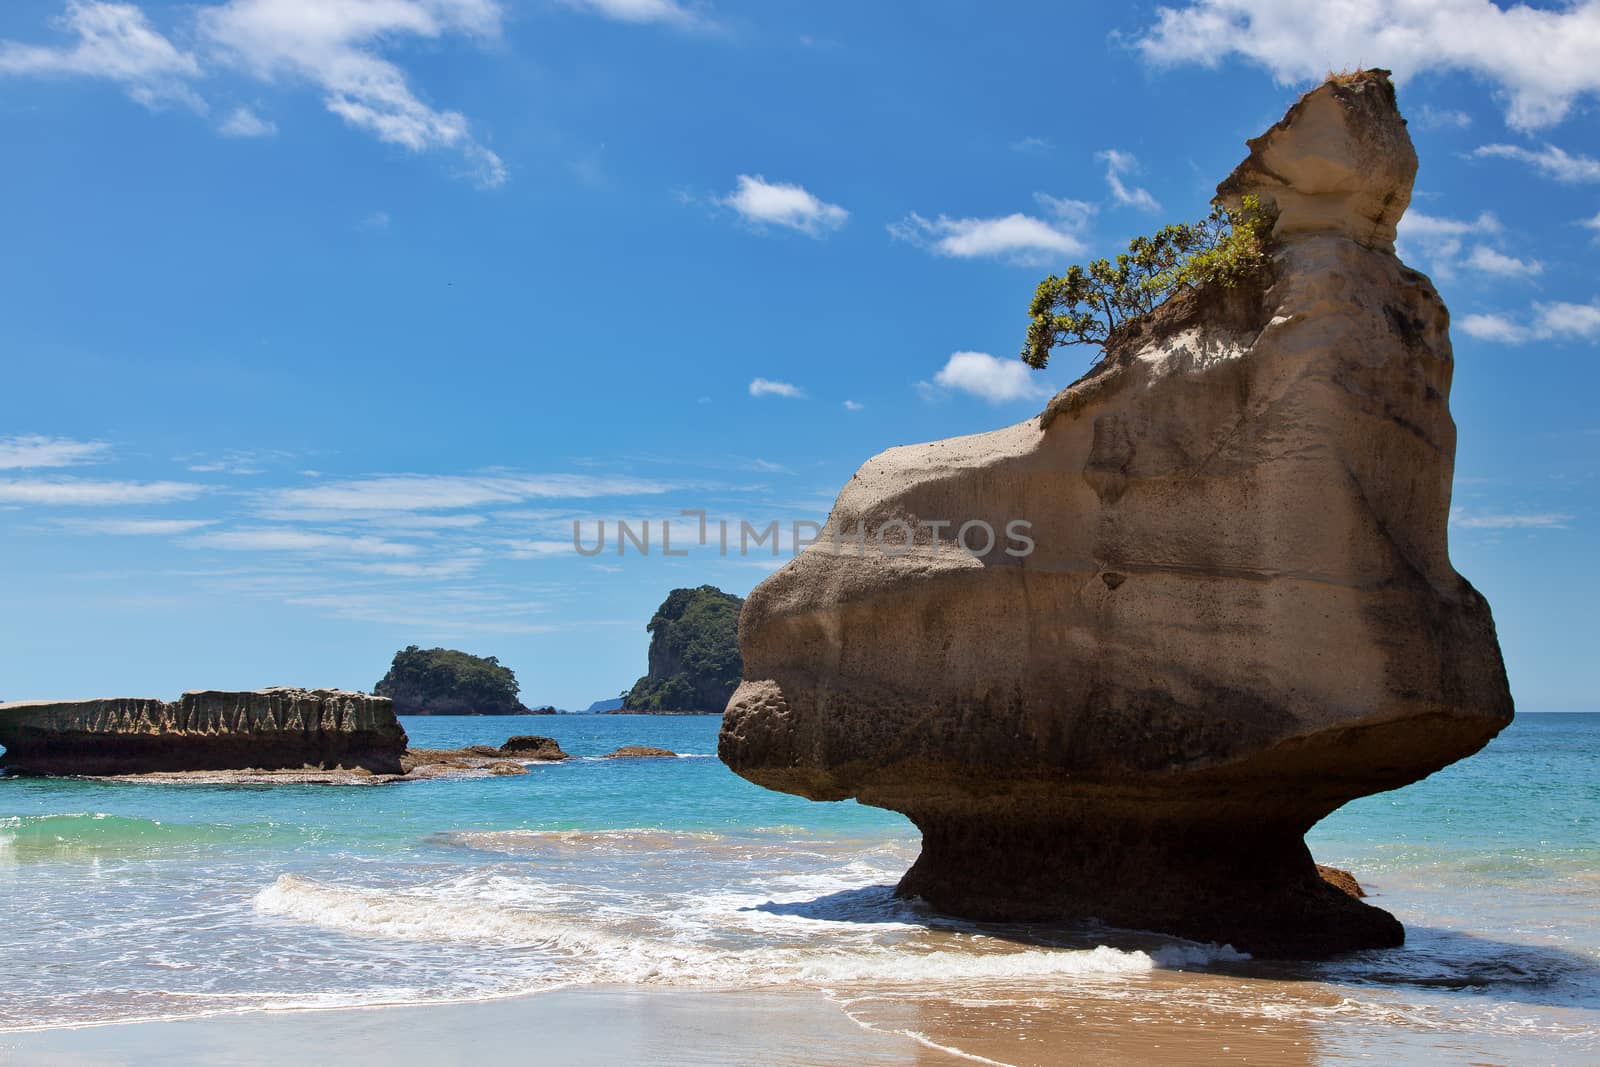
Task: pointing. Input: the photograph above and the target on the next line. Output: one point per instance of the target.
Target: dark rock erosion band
(1239, 615)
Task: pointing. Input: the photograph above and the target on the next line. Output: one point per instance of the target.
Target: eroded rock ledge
(1240, 612)
(205, 730)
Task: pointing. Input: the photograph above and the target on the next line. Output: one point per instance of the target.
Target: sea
(123, 901)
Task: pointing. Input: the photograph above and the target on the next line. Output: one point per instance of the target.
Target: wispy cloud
(851, 405)
(1438, 118)
(1558, 320)
(762, 203)
(1439, 242)
(1026, 240)
(236, 461)
(995, 380)
(1118, 164)
(1509, 520)
(33, 451)
(271, 539)
(1486, 259)
(136, 527)
(1541, 60)
(79, 492)
(242, 122)
(113, 41)
(1497, 328)
(640, 11)
(769, 387)
(1550, 161)
(434, 613)
(441, 492)
(338, 48)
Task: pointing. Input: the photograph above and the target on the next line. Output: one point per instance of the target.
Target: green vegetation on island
(694, 653)
(443, 681)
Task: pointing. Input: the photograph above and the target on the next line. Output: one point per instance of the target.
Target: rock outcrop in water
(694, 654)
(203, 731)
(1239, 613)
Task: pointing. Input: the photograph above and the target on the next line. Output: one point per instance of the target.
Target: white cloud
(246, 123)
(1017, 238)
(1551, 161)
(992, 379)
(761, 202)
(1117, 164)
(851, 405)
(1434, 118)
(435, 492)
(666, 11)
(1495, 328)
(289, 540)
(768, 387)
(1416, 224)
(137, 527)
(31, 451)
(1593, 224)
(1568, 320)
(1541, 60)
(1030, 144)
(1509, 521)
(116, 42)
(1438, 240)
(333, 46)
(78, 492)
(336, 48)
(1490, 261)
(1553, 321)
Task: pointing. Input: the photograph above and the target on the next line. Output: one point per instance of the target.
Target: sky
(322, 322)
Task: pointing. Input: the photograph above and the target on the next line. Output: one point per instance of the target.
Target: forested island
(444, 681)
(694, 663)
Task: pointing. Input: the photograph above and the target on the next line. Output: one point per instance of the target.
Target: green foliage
(694, 653)
(419, 676)
(1089, 304)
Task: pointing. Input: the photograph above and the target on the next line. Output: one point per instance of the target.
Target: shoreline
(568, 1024)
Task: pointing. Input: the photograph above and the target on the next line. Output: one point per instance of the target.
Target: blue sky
(322, 321)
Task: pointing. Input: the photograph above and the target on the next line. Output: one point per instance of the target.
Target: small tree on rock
(1087, 305)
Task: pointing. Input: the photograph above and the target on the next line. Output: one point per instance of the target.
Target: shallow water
(126, 901)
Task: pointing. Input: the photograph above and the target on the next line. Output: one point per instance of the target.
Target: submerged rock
(1238, 613)
(206, 730)
(641, 752)
(533, 747)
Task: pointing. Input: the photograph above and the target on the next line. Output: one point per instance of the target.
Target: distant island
(602, 706)
(694, 663)
(444, 681)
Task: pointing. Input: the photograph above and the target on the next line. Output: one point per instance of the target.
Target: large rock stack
(1239, 612)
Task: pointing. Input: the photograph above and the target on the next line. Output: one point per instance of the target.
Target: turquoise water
(126, 901)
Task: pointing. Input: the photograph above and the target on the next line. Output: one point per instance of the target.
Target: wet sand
(622, 1025)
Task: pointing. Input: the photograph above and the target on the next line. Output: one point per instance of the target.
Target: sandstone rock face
(1238, 614)
(203, 730)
